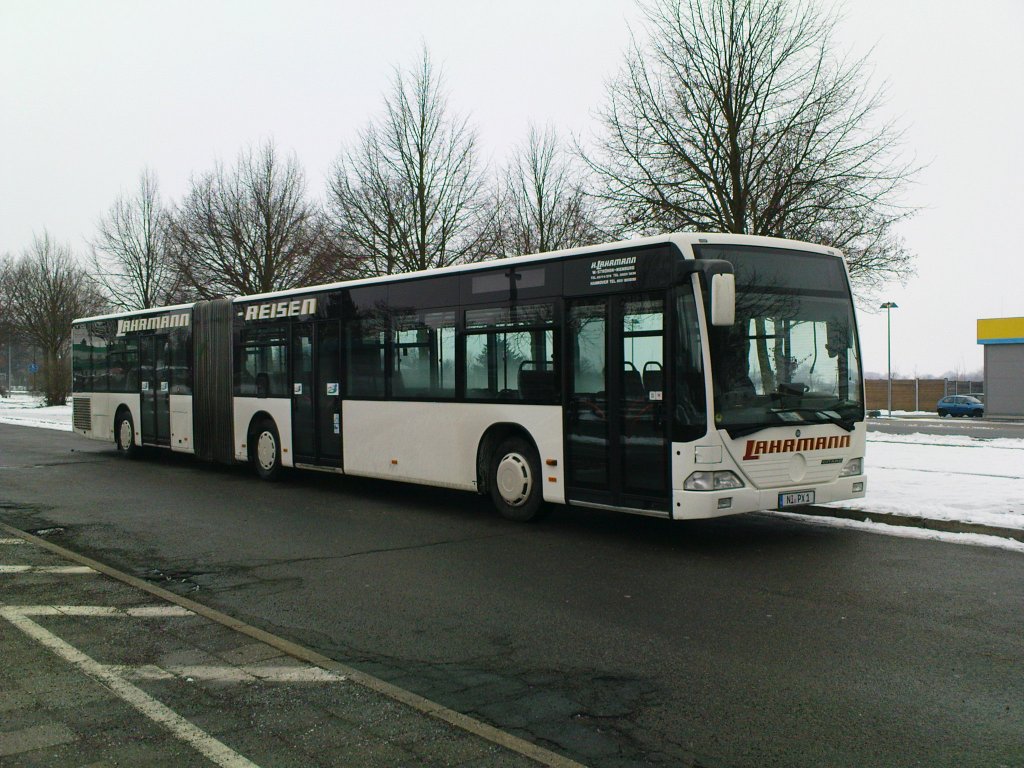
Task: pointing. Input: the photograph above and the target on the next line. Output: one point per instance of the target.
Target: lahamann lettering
(134, 324)
(625, 261)
(758, 448)
(275, 309)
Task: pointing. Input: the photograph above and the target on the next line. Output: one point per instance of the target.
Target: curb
(907, 521)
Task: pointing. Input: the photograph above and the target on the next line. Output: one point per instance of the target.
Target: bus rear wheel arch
(265, 448)
(514, 477)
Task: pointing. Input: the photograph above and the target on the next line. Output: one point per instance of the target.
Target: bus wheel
(124, 435)
(266, 450)
(516, 481)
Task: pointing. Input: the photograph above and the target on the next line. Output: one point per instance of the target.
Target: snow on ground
(940, 477)
(945, 477)
(25, 409)
(907, 532)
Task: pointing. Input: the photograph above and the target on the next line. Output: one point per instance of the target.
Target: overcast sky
(92, 92)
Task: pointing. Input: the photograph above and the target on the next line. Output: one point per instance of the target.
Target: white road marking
(158, 611)
(63, 569)
(209, 747)
(142, 611)
(229, 674)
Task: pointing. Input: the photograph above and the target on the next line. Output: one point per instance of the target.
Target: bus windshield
(792, 355)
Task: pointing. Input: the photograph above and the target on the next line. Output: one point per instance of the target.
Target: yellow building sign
(1001, 330)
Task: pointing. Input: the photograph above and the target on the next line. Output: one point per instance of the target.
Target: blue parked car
(960, 405)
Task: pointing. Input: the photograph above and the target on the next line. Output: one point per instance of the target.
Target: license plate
(796, 499)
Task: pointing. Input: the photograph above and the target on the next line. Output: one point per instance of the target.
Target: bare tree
(249, 229)
(737, 116)
(409, 194)
(43, 292)
(545, 205)
(130, 255)
(6, 326)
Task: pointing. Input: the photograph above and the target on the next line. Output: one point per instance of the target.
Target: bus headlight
(712, 481)
(853, 467)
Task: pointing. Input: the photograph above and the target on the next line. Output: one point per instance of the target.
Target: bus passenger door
(616, 432)
(316, 394)
(586, 435)
(155, 386)
(644, 431)
(328, 377)
(303, 395)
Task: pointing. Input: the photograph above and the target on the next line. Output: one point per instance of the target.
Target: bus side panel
(436, 443)
(279, 409)
(103, 407)
(181, 423)
(82, 421)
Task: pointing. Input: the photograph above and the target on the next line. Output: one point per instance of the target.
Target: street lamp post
(888, 306)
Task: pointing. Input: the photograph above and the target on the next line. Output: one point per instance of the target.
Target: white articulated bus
(683, 376)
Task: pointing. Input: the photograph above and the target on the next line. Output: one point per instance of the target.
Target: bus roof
(681, 239)
(134, 313)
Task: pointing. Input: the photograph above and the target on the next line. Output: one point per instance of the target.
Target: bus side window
(115, 356)
(131, 364)
(98, 339)
(510, 354)
(691, 402)
(81, 359)
(365, 345)
(263, 358)
(423, 354)
(180, 341)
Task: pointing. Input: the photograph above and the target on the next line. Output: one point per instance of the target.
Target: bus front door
(617, 447)
(155, 394)
(316, 394)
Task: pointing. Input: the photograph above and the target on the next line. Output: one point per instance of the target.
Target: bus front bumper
(696, 505)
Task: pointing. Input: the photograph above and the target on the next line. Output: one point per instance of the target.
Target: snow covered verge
(945, 477)
(973, 539)
(938, 477)
(25, 409)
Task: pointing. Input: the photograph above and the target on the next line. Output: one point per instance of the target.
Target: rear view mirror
(837, 334)
(723, 299)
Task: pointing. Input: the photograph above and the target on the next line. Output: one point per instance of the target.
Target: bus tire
(124, 434)
(265, 450)
(515, 481)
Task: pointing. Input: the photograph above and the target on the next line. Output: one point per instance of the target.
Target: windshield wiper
(746, 429)
(826, 417)
(829, 416)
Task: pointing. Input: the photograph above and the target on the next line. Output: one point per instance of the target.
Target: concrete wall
(916, 394)
(907, 394)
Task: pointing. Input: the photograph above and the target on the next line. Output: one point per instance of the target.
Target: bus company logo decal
(136, 324)
(275, 309)
(758, 448)
(613, 271)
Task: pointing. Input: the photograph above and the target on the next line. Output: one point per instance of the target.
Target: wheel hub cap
(266, 450)
(514, 479)
(126, 434)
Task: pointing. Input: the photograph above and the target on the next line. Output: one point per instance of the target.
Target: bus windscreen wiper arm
(830, 416)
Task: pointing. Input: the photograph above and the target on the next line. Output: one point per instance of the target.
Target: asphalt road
(615, 640)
